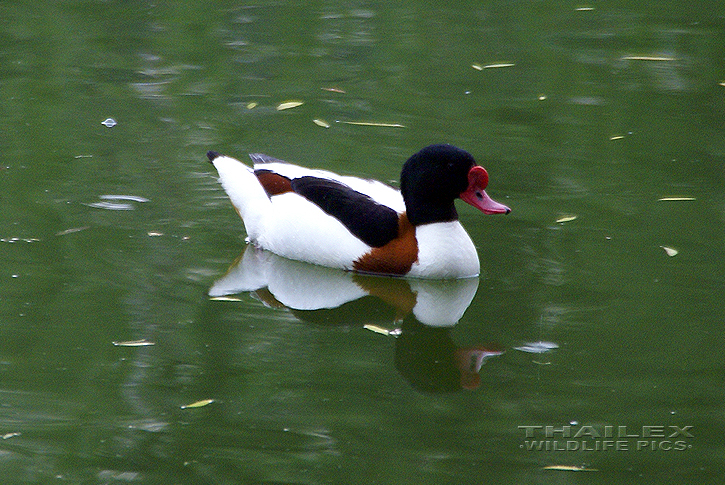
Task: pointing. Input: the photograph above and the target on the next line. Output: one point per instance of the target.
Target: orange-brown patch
(396, 257)
(273, 183)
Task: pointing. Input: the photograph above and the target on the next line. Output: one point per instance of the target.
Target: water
(583, 345)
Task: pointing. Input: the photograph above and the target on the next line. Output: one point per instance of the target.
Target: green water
(593, 110)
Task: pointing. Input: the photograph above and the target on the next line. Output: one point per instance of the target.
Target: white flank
(298, 229)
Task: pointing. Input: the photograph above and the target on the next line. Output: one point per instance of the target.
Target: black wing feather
(375, 224)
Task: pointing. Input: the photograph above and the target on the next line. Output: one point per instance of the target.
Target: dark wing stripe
(375, 224)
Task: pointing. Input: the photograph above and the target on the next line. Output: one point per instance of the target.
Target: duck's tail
(246, 194)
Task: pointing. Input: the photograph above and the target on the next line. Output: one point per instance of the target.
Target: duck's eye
(479, 195)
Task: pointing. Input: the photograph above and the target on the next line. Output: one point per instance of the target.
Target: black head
(431, 181)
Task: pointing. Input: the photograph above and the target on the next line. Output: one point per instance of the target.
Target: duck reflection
(418, 313)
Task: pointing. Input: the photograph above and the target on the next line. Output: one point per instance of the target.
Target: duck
(363, 225)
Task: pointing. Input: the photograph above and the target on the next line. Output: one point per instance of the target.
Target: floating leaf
(670, 251)
(382, 330)
(334, 90)
(377, 329)
(289, 105)
(369, 123)
(669, 199)
(570, 468)
(584, 9)
(7, 436)
(321, 122)
(252, 105)
(616, 137)
(154, 233)
(649, 58)
(566, 218)
(134, 343)
(72, 230)
(497, 65)
(198, 404)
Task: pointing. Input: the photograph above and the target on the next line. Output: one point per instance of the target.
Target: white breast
(445, 250)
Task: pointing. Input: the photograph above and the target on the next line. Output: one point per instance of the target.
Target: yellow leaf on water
(134, 343)
(321, 122)
(649, 58)
(675, 198)
(395, 332)
(377, 329)
(670, 251)
(369, 123)
(616, 137)
(566, 218)
(252, 105)
(497, 65)
(198, 404)
(570, 468)
(289, 105)
(71, 230)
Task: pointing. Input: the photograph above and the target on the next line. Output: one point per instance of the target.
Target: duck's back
(376, 190)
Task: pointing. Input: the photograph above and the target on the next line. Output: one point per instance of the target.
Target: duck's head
(436, 176)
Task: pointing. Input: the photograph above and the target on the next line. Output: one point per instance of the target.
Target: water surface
(584, 345)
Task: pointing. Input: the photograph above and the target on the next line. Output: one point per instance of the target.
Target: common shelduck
(363, 225)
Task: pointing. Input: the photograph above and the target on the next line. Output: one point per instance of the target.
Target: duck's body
(363, 225)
